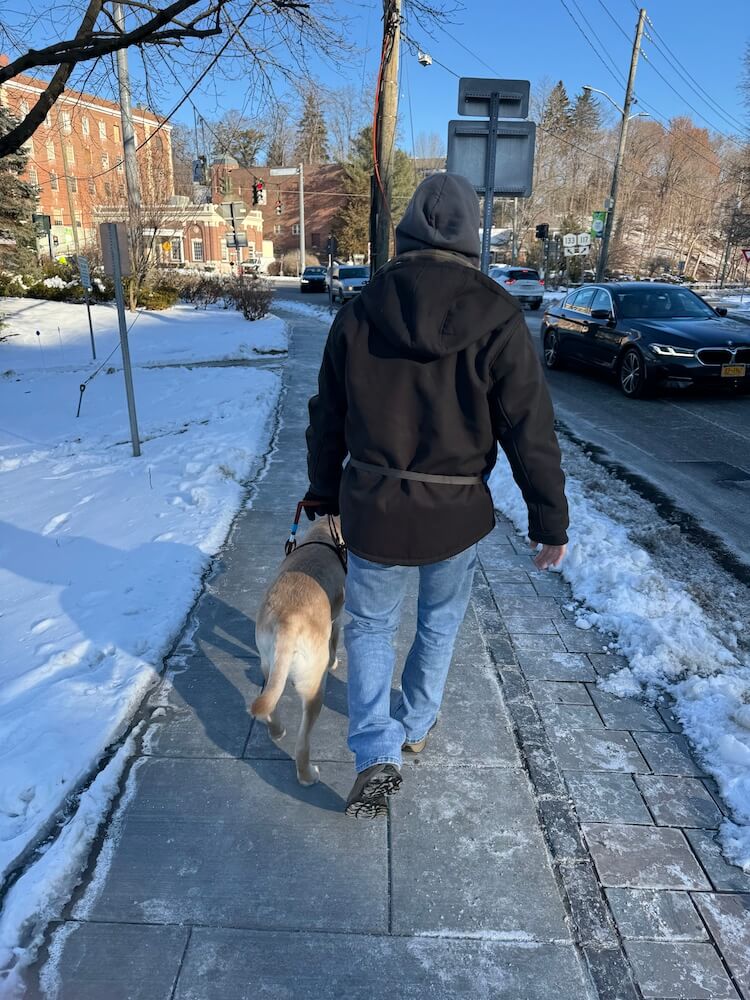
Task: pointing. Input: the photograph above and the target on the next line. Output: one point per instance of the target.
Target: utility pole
(610, 223)
(385, 133)
(132, 178)
(730, 233)
(301, 218)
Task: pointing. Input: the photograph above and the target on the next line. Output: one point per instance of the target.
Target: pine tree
(312, 136)
(557, 112)
(17, 202)
(585, 116)
(352, 227)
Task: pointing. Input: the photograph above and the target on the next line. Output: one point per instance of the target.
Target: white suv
(523, 283)
(348, 280)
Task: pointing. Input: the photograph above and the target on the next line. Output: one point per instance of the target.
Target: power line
(563, 139)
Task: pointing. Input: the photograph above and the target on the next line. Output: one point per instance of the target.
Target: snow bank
(674, 641)
(312, 309)
(101, 554)
(181, 334)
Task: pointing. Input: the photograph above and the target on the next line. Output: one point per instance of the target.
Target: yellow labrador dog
(297, 632)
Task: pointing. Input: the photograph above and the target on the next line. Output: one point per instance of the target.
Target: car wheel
(551, 345)
(536, 305)
(633, 375)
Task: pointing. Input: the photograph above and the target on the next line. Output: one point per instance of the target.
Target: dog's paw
(335, 663)
(311, 778)
(277, 735)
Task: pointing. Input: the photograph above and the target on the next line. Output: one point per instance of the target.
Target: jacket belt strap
(420, 477)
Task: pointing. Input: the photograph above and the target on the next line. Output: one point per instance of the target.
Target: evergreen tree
(585, 117)
(17, 202)
(312, 136)
(352, 227)
(557, 112)
(236, 135)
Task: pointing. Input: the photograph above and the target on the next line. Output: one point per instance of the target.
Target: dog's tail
(282, 660)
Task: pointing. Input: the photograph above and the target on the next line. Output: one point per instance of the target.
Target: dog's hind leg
(333, 660)
(308, 774)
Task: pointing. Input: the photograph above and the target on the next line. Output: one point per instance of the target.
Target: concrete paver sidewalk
(552, 840)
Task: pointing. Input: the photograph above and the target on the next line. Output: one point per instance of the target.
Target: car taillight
(541, 281)
(510, 281)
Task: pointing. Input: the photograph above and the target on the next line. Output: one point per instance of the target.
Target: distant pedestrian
(422, 375)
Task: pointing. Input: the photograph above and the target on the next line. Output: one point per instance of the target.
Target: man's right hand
(320, 506)
(549, 555)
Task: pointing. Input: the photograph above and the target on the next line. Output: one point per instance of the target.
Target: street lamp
(613, 102)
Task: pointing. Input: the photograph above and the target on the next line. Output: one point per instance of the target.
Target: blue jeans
(374, 595)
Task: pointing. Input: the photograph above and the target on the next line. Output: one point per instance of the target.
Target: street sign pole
(85, 276)
(489, 181)
(301, 218)
(746, 254)
(114, 244)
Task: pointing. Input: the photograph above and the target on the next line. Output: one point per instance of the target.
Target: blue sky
(533, 41)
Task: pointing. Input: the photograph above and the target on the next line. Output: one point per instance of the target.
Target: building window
(224, 251)
(120, 166)
(315, 240)
(198, 250)
(116, 132)
(53, 181)
(102, 130)
(50, 149)
(295, 229)
(58, 220)
(73, 181)
(92, 186)
(176, 252)
(107, 190)
(33, 178)
(85, 125)
(65, 117)
(105, 161)
(70, 153)
(277, 229)
(23, 107)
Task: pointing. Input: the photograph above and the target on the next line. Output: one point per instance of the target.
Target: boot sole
(372, 799)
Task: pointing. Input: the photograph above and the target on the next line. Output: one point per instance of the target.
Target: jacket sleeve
(326, 444)
(523, 422)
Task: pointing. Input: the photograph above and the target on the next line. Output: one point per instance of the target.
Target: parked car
(348, 280)
(648, 335)
(522, 283)
(313, 280)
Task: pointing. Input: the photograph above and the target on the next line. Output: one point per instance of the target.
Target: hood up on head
(437, 302)
(443, 214)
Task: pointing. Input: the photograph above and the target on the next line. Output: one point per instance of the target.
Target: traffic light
(542, 231)
(260, 196)
(278, 208)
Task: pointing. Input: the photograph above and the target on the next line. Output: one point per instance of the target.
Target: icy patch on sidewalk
(677, 637)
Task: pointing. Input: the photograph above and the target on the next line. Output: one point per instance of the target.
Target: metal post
(514, 250)
(489, 182)
(301, 218)
(744, 281)
(546, 263)
(610, 223)
(132, 178)
(237, 248)
(91, 325)
(126, 367)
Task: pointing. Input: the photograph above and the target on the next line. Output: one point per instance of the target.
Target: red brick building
(324, 197)
(81, 138)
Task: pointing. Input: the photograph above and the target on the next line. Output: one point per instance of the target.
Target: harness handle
(338, 541)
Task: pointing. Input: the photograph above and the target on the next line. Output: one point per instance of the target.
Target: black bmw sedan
(648, 334)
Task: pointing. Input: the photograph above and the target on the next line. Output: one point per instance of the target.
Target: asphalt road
(693, 448)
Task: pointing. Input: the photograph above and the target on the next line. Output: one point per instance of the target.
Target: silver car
(523, 283)
(348, 280)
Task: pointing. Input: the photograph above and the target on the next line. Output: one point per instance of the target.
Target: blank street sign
(474, 97)
(514, 164)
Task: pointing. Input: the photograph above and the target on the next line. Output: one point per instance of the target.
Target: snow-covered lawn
(102, 554)
(665, 605)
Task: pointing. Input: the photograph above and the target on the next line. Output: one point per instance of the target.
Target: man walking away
(422, 375)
